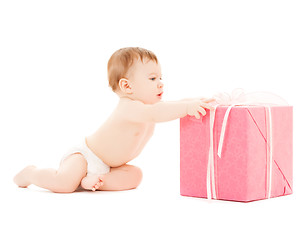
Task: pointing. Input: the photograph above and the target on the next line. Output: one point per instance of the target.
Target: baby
(100, 162)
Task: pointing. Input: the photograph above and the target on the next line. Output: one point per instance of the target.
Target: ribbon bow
(238, 98)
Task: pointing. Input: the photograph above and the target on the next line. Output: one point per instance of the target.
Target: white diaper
(95, 164)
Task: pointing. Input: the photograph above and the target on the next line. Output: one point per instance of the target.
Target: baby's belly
(116, 152)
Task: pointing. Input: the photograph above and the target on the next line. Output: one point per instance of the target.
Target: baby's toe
(97, 185)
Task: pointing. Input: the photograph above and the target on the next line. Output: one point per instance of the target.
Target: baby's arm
(137, 111)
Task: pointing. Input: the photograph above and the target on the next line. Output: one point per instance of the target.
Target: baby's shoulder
(133, 110)
(130, 104)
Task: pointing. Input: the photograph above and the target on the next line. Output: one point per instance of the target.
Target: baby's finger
(208, 106)
(197, 115)
(207, 100)
(202, 111)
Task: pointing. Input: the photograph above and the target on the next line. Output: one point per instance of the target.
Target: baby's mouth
(160, 94)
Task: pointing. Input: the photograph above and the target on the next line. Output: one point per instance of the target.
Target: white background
(54, 92)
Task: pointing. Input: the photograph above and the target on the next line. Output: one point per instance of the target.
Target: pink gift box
(242, 172)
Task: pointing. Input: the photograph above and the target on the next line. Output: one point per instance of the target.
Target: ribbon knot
(237, 96)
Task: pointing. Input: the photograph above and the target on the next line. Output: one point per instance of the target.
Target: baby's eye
(153, 78)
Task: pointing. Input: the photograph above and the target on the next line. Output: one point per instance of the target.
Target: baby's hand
(195, 107)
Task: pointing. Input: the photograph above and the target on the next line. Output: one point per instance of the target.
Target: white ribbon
(239, 98)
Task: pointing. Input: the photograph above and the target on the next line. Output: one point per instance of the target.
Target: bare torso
(119, 141)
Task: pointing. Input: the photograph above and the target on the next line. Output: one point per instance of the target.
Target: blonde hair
(121, 60)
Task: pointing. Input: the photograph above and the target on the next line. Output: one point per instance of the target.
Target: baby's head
(135, 73)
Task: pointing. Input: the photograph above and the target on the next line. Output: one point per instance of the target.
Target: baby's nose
(160, 85)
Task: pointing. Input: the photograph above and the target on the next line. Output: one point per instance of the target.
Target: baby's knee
(136, 175)
(63, 184)
(65, 187)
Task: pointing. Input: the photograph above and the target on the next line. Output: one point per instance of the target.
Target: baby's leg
(124, 177)
(64, 180)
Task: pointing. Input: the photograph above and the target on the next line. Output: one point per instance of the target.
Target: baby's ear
(125, 86)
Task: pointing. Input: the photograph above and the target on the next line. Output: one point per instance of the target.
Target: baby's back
(118, 141)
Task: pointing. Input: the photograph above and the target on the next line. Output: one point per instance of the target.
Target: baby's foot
(22, 178)
(92, 182)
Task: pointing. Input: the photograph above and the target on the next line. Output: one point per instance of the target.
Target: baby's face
(146, 82)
